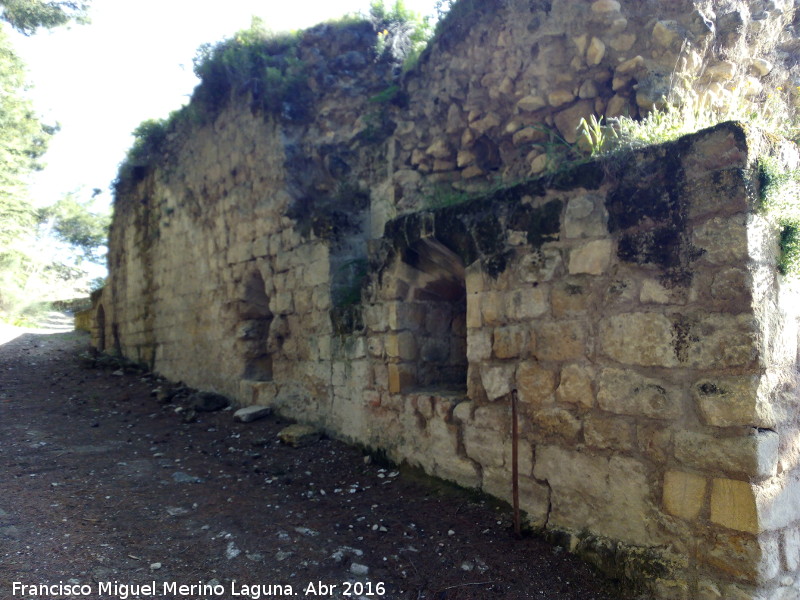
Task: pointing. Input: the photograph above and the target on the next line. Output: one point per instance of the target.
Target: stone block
(317, 273)
(730, 284)
(492, 308)
(716, 340)
(571, 297)
(526, 304)
(608, 433)
(575, 386)
(628, 511)
(375, 346)
(724, 239)
(283, 303)
(625, 392)
(561, 340)
(497, 380)
(484, 446)
(479, 345)
(531, 103)
(684, 494)
(251, 413)
(474, 319)
(732, 402)
(585, 216)
(791, 549)
(591, 258)
(754, 456)
(495, 417)
(401, 345)
(777, 502)
(539, 266)
(638, 339)
(605, 496)
(595, 52)
(573, 471)
(535, 384)
(653, 292)
(401, 377)
(559, 98)
(298, 435)
(735, 555)
(568, 120)
(510, 342)
(554, 420)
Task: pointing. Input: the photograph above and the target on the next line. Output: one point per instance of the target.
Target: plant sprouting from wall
(780, 198)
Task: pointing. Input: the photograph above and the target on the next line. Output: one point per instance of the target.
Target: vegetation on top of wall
(254, 63)
(780, 198)
(402, 33)
(687, 109)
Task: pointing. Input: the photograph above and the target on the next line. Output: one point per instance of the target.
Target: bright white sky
(134, 62)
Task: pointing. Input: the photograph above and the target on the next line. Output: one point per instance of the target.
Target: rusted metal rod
(515, 464)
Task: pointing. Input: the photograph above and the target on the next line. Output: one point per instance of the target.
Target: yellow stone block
(733, 505)
(684, 494)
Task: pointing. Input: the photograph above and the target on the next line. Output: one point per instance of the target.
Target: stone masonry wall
(634, 305)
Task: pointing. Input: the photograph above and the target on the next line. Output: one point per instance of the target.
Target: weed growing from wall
(780, 198)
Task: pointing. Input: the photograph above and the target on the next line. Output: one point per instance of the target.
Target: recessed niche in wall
(434, 313)
(254, 319)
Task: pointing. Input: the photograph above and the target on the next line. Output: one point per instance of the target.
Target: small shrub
(253, 62)
(789, 261)
(402, 33)
(780, 197)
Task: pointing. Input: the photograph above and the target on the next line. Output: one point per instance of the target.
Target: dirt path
(102, 485)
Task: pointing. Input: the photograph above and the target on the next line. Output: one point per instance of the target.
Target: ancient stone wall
(634, 305)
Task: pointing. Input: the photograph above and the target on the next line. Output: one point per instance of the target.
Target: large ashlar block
(612, 433)
(448, 463)
(479, 345)
(493, 308)
(732, 401)
(743, 556)
(609, 496)
(474, 318)
(684, 494)
(535, 384)
(575, 386)
(510, 342)
(733, 505)
(591, 258)
(717, 341)
(639, 339)
(497, 380)
(561, 340)
(754, 455)
(534, 497)
(570, 297)
(526, 304)
(625, 392)
(724, 239)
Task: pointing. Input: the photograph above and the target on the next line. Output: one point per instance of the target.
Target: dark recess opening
(255, 319)
(438, 311)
